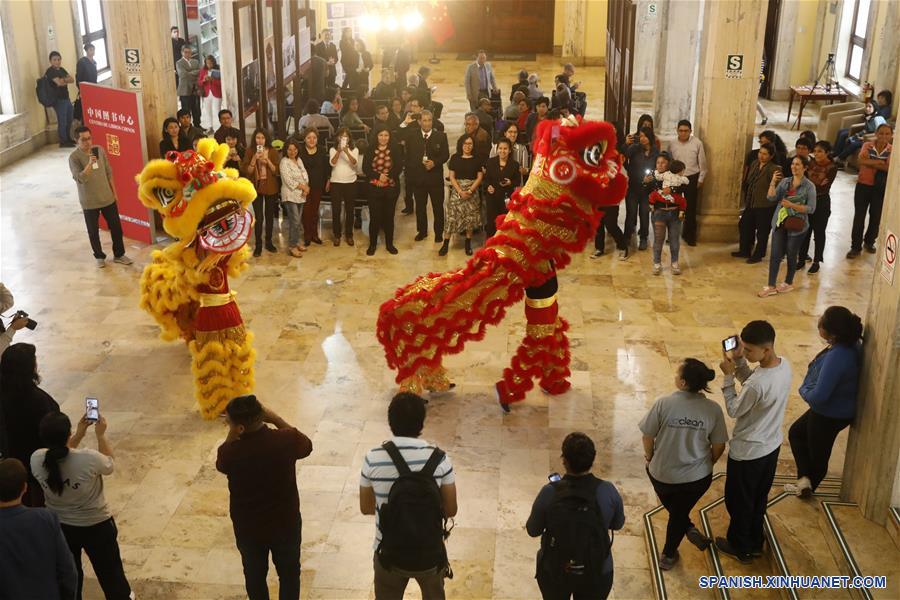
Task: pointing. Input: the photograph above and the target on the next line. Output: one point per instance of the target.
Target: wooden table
(807, 93)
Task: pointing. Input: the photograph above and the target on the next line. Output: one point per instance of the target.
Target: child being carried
(668, 195)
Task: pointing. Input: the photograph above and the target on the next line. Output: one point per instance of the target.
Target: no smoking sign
(889, 257)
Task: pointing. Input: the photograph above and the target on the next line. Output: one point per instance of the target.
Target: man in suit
(480, 82)
(328, 51)
(402, 60)
(188, 68)
(318, 71)
(426, 152)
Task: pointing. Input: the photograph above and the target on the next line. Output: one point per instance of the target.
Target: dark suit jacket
(436, 148)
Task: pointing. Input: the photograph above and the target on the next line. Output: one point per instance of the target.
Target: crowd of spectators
(53, 507)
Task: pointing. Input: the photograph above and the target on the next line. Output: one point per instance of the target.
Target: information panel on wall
(116, 120)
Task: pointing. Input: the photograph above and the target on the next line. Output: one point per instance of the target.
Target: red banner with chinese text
(116, 123)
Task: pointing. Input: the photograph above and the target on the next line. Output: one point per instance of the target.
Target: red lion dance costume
(576, 173)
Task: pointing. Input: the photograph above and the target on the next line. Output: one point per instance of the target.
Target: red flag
(439, 22)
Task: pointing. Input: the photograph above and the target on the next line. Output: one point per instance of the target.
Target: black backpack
(575, 543)
(413, 527)
(46, 91)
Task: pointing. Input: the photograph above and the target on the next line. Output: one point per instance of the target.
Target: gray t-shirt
(683, 425)
(94, 188)
(82, 503)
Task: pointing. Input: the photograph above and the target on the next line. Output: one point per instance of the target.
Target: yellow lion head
(198, 199)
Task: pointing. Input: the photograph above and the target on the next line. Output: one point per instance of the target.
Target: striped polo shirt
(379, 472)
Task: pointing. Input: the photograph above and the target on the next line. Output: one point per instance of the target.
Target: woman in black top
(382, 165)
(172, 138)
(23, 404)
(362, 77)
(349, 58)
(464, 204)
(501, 177)
(315, 160)
(640, 162)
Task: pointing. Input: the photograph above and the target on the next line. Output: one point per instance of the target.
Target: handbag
(794, 223)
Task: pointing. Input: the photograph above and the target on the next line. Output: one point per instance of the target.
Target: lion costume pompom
(205, 208)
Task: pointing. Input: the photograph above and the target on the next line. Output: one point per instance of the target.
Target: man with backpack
(409, 485)
(573, 515)
(53, 90)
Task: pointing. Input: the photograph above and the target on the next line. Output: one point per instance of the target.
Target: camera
(30, 324)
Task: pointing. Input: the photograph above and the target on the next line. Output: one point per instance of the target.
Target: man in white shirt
(689, 150)
(406, 416)
(15, 324)
(758, 411)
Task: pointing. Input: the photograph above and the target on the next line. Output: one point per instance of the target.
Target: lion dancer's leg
(222, 355)
(543, 353)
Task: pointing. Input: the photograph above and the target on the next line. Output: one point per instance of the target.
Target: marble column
(145, 26)
(648, 28)
(676, 64)
(873, 446)
(725, 109)
(575, 15)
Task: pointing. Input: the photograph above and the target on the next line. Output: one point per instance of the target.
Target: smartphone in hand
(92, 409)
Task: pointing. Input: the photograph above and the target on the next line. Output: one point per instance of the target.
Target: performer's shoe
(449, 389)
(502, 395)
(555, 387)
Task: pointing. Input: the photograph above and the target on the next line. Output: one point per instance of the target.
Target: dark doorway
(498, 26)
(620, 18)
(770, 45)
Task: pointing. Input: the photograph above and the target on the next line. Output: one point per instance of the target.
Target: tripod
(828, 73)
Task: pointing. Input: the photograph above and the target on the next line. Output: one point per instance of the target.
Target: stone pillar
(648, 28)
(678, 55)
(873, 446)
(726, 108)
(575, 14)
(145, 26)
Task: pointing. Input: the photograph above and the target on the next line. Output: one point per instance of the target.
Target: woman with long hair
(464, 204)
(23, 404)
(684, 434)
(72, 480)
(209, 81)
(294, 190)
(261, 167)
(640, 162)
(172, 138)
(318, 170)
(795, 200)
(343, 158)
(830, 389)
(382, 165)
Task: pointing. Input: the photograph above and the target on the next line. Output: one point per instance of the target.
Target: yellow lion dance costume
(205, 208)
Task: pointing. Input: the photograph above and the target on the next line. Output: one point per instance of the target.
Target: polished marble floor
(321, 367)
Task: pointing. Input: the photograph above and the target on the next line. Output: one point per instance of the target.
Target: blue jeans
(841, 140)
(293, 211)
(666, 221)
(63, 110)
(850, 148)
(783, 243)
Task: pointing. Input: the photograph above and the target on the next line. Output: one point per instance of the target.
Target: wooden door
(619, 58)
(517, 26)
(498, 26)
(770, 46)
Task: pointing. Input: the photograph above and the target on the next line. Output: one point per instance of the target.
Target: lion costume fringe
(576, 173)
(205, 208)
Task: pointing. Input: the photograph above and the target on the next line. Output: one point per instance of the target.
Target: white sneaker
(597, 254)
(123, 260)
(657, 269)
(676, 270)
(101, 262)
(623, 254)
(802, 488)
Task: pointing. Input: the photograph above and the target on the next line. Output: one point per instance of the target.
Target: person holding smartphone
(72, 480)
(684, 434)
(343, 158)
(97, 194)
(501, 177)
(261, 167)
(755, 223)
(640, 159)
